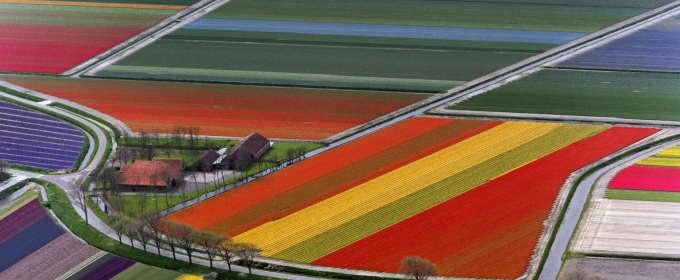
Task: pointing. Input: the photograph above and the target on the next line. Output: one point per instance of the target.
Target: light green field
(642, 195)
(142, 271)
(631, 95)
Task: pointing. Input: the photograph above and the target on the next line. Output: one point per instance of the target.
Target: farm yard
(30, 138)
(54, 36)
(224, 110)
(426, 46)
(349, 211)
(34, 247)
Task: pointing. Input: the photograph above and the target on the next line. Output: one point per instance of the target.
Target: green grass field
(631, 95)
(584, 16)
(642, 195)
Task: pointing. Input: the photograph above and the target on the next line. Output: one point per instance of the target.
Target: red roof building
(159, 173)
(248, 150)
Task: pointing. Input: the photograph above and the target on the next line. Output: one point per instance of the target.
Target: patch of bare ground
(622, 269)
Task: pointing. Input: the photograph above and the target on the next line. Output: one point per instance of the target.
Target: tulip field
(34, 247)
(465, 194)
(225, 110)
(54, 36)
(656, 178)
(425, 46)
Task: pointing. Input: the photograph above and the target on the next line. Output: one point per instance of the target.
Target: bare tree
(128, 226)
(193, 175)
(228, 251)
(4, 167)
(417, 268)
(193, 137)
(79, 198)
(147, 152)
(143, 138)
(247, 252)
(186, 238)
(142, 201)
(155, 227)
(124, 138)
(117, 226)
(178, 136)
(171, 239)
(155, 135)
(210, 243)
(141, 232)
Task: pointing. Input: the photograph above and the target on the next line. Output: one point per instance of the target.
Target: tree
(117, 226)
(178, 136)
(228, 251)
(172, 240)
(129, 228)
(4, 167)
(210, 243)
(155, 227)
(141, 232)
(247, 252)
(417, 268)
(186, 238)
(192, 132)
(79, 198)
(147, 152)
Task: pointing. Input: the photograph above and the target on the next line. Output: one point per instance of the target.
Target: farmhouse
(205, 163)
(246, 151)
(160, 174)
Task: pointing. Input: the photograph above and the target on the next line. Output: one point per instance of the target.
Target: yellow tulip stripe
(669, 158)
(189, 277)
(277, 236)
(434, 194)
(672, 152)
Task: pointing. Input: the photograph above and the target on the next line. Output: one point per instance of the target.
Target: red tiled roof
(139, 173)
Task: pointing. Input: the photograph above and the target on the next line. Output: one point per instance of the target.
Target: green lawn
(642, 195)
(189, 158)
(632, 95)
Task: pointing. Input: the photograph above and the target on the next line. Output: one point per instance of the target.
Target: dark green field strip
(505, 15)
(151, 2)
(633, 95)
(353, 41)
(642, 195)
(344, 61)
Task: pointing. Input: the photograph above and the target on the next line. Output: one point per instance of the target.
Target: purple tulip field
(654, 48)
(34, 139)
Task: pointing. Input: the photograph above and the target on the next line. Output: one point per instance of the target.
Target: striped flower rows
(659, 172)
(34, 247)
(433, 193)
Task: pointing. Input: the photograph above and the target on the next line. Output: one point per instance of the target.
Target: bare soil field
(623, 269)
(627, 227)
